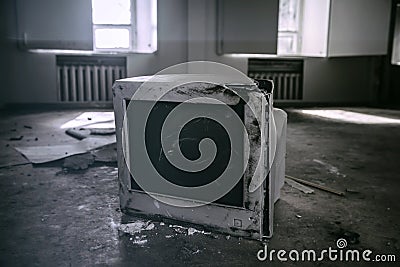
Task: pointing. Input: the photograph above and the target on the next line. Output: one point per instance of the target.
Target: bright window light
(112, 38)
(122, 27)
(288, 15)
(111, 12)
(251, 55)
(352, 117)
(287, 43)
(396, 39)
(288, 27)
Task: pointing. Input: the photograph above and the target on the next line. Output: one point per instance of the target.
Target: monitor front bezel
(246, 221)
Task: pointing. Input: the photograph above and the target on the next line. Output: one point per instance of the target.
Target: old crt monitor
(204, 153)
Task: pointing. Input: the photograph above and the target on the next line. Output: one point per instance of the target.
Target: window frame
(295, 34)
(130, 27)
(395, 60)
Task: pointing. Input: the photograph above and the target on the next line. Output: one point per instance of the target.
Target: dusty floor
(51, 216)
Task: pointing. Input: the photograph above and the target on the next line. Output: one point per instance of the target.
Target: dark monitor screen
(190, 136)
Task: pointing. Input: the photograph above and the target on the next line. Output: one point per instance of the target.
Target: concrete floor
(53, 216)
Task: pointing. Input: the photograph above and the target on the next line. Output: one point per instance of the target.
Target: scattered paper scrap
(43, 154)
(104, 120)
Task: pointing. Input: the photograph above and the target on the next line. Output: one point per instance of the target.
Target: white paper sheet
(42, 154)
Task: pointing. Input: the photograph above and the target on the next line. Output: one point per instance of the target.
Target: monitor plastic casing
(267, 145)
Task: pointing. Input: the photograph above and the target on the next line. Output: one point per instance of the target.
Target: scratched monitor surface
(189, 138)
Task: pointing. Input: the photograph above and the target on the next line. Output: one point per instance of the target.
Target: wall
(172, 40)
(390, 90)
(340, 80)
(187, 31)
(314, 40)
(358, 27)
(42, 24)
(27, 77)
(5, 59)
(256, 30)
(31, 78)
(202, 35)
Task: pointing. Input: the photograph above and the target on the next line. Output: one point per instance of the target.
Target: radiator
(88, 79)
(286, 74)
(287, 85)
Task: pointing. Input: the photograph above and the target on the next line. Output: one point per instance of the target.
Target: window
(124, 25)
(112, 25)
(288, 27)
(93, 26)
(396, 39)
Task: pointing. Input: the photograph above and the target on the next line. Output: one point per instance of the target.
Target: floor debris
(189, 250)
(78, 162)
(16, 138)
(191, 231)
(299, 186)
(195, 252)
(350, 236)
(331, 169)
(187, 230)
(96, 247)
(87, 235)
(179, 229)
(82, 133)
(139, 240)
(150, 227)
(352, 191)
(136, 227)
(321, 187)
(101, 131)
(43, 154)
(106, 154)
(86, 120)
(78, 133)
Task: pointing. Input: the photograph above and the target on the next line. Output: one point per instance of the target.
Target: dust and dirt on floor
(67, 211)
